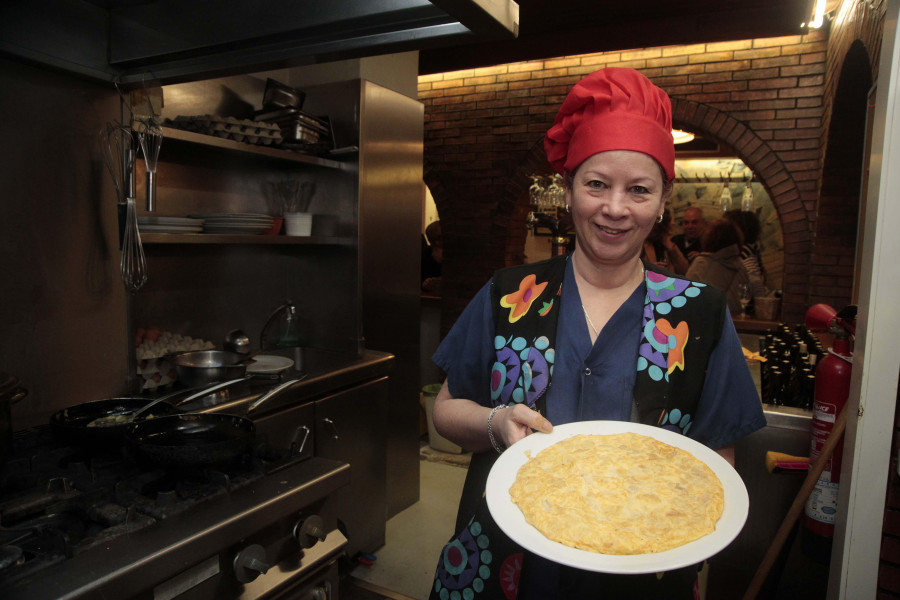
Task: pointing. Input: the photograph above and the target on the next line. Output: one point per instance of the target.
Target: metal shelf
(170, 133)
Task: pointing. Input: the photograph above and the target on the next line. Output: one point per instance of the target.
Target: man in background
(693, 224)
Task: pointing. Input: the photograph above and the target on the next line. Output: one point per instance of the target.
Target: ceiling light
(818, 15)
(681, 137)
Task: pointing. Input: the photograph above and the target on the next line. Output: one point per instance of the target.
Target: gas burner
(10, 556)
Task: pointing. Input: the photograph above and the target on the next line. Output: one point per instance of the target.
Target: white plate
(511, 520)
(232, 223)
(235, 229)
(234, 216)
(268, 363)
(146, 228)
(178, 221)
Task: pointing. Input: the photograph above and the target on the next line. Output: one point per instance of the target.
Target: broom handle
(799, 502)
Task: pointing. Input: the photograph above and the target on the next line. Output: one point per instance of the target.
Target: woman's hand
(515, 422)
(465, 423)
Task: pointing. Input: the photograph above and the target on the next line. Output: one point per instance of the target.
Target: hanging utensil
(115, 143)
(133, 263)
(150, 137)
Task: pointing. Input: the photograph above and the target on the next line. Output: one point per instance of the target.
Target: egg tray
(157, 373)
(240, 130)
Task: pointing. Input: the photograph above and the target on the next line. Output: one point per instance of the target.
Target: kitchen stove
(78, 522)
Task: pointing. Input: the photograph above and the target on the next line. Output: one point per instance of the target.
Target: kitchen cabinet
(351, 426)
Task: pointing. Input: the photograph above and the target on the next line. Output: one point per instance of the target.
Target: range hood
(170, 41)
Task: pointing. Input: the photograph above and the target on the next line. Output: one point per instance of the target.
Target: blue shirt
(595, 382)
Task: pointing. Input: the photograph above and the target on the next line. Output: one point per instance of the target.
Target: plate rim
(510, 519)
(285, 363)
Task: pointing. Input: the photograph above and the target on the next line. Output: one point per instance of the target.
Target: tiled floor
(404, 566)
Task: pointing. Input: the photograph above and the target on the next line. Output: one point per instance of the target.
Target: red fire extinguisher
(831, 392)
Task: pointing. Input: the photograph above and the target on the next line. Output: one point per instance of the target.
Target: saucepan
(190, 441)
(202, 367)
(102, 423)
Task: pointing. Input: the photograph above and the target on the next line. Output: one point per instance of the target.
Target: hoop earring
(568, 208)
(659, 219)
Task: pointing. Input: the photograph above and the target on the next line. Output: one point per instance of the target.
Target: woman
(588, 322)
(661, 251)
(719, 264)
(751, 255)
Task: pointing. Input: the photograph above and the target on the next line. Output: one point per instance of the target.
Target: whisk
(150, 136)
(118, 153)
(133, 263)
(115, 144)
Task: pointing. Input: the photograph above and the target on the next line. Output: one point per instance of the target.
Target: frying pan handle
(209, 390)
(274, 391)
(19, 394)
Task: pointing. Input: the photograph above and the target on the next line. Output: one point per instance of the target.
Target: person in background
(751, 255)
(577, 338)
(692, 225)
(719, 265)
(661, 251)
(432, 258)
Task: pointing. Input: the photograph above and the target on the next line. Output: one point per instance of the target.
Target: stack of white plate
(151, 224)
(236, 223)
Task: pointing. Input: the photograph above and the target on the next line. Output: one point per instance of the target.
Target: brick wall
(764, 99)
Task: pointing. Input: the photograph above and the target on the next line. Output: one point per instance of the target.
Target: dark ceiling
(551, 28)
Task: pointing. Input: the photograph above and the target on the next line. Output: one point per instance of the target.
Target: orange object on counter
(778, 462)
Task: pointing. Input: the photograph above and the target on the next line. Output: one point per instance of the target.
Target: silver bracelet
(494, 442)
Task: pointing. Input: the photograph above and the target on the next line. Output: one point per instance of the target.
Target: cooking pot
(202, 367)
(10, 393)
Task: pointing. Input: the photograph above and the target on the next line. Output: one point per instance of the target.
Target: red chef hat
(612, 109)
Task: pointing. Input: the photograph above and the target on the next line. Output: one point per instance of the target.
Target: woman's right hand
(515, 422)
(464, 422)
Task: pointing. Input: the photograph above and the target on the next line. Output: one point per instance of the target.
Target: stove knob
(310, 531)
(250, 563)
(317, 593)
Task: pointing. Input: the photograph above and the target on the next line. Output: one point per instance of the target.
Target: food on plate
(621, 493)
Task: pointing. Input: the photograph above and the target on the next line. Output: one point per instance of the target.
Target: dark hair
(719, 234)
(433, 232)
(747, 222)
(660, 229)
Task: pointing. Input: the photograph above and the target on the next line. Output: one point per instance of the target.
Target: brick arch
(784, 192)
(840, 190)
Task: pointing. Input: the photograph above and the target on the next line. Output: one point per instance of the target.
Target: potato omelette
(622, 493)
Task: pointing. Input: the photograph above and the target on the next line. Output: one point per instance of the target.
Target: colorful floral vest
(682, 322)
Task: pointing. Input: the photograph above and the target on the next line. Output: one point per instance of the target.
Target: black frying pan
(71, 424)
(190, 440)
